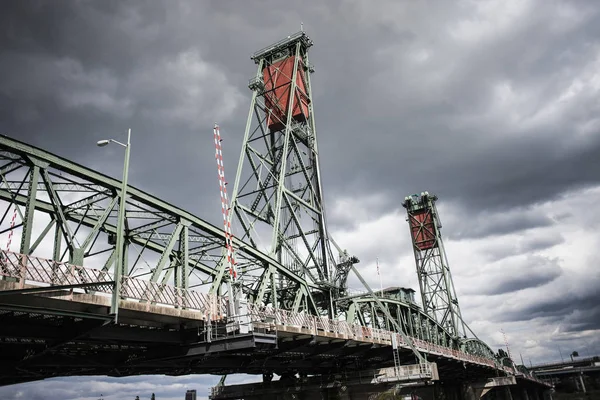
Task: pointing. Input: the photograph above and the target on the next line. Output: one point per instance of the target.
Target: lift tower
(435, 281)
(277, 199)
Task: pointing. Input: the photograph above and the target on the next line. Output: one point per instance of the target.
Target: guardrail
(405, 372)
(343, 329)
(36, 271)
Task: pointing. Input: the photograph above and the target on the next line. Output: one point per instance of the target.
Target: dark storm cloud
(525, 243)
(523, 280)
(513, 274)
(492, 110)
(484, 224)
(384, 125)
(441, 138)
(571, 309)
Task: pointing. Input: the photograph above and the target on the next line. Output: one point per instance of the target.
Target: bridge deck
(167, 330)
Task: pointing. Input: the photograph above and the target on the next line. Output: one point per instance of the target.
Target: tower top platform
(282, 45)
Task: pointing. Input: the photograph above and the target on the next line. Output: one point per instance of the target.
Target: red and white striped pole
(224, 203)
(12, 225)
(380, 280)
(506, 343)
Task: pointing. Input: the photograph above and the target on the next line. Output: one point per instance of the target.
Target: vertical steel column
(34, 175)
(277, 189)
(120, 261)
(184, 249)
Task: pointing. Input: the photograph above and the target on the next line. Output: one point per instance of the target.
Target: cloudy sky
(492, 105)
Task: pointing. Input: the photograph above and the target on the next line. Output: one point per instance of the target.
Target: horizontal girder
(151, 222)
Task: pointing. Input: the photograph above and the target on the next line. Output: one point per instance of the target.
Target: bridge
(102, 278)
(582, 374)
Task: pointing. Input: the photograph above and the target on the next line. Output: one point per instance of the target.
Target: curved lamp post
(119, 271)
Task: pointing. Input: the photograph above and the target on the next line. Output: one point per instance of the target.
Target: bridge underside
(60, 333)
(367, 386)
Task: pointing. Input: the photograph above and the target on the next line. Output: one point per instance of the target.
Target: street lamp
(120, 262)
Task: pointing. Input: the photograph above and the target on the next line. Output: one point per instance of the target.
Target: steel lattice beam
(67, 214)
(277, 191)
(50, 185)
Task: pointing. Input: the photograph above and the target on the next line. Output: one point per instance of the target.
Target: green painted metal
(184, 249)
(120, 260)
(433, 271)
(389, 318)
(96, 214)
(34, 175)
(166, 253)
(45, 289)
(160, 208)
(277, 191)
(42, 235)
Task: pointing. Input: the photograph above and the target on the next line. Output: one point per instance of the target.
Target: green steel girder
(277, 184)
(81, 172)
(91, 222)
(409, 316)
(42, 235)
(94, 215)
(29, 209)
(58, 209)
(277, 187)
(166, 253)
(435, 279)
(477, 347)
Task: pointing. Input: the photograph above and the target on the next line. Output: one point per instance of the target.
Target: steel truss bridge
(289, 310)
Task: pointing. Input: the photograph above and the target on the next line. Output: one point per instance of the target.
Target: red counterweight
(278, 78)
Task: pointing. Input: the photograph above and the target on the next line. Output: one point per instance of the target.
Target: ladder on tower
(396, 354)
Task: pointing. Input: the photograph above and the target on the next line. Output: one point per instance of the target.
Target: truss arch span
(67, 212)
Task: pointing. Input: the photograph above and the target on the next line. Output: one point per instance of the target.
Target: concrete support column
(452, 392)
(582, 383)
(469, 393)
(547, 395)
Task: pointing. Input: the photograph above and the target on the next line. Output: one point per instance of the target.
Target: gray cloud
(514, 273)
(491, 107)
(527, 243)
(95, 387)
(523, 280)
(571, 310)
(423, 88)
(472, 225)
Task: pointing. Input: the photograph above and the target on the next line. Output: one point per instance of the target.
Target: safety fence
(345, 330)
(36, 271)
(405, 372)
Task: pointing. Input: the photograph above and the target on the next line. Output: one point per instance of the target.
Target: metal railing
(36, 271)
(342, 329)
(405, 372)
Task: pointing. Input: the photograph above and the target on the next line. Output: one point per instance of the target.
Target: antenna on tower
(301, 26)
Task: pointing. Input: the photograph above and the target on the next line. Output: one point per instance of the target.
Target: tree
(152, 398)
